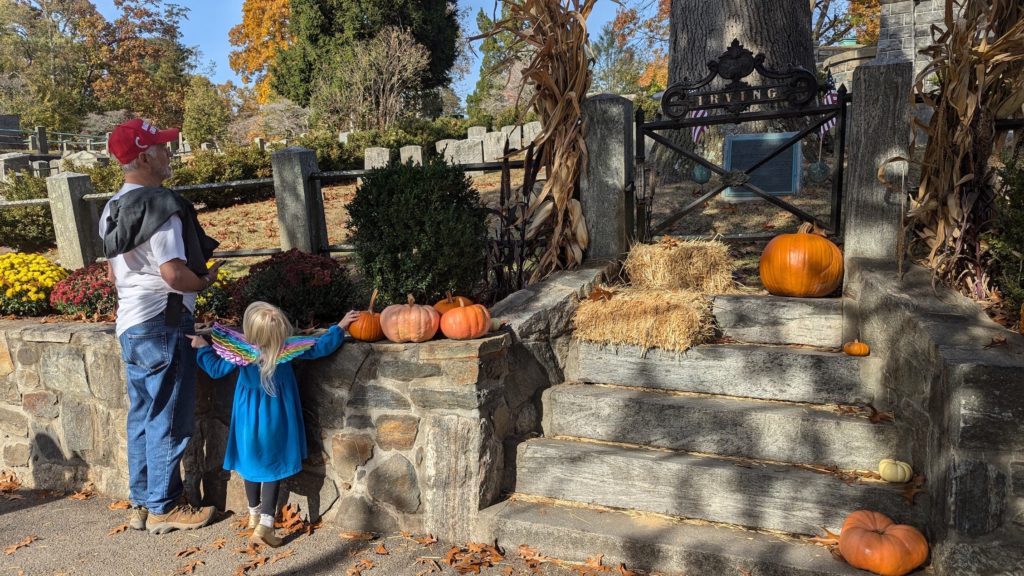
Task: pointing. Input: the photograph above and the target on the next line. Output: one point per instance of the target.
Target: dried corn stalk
(978, 62)
(555, 31)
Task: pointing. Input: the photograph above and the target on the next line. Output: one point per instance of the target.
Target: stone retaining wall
(401, 436)
(954, 381)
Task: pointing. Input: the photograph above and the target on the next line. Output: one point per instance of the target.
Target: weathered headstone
(42, 141)
(206, 146)
(476, 132)
(530, 132)
(87, 159)
(604, 194)
(879, 129)
(260, 143)
(468, 152)
(443, 145)
(343, 137)
(75, 220)
(41, 168)
(376, 158)
(33, 142)
(300, 208)
(494, 146)
(55, 167)
(12, 163)
(514, 135)
(412, 154)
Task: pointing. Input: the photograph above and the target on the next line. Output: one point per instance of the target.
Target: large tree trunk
(701, 30)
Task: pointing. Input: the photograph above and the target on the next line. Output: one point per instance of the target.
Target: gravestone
(13, 163)
(514, 135)
(779, 177)
(531, 130)
(87, 159)
(494, 146)
(442, 145)
(206, 146)
(10, 124)
(55, 167)
(376, 158)
(343, 137)
(476, 132)
(260, 143)
(41, 169)
(412, 154)
(468, 152)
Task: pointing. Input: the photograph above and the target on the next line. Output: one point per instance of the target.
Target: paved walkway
(73, 537)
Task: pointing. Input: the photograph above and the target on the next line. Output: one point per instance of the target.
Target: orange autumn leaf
(358, 568)
(188, 552)
(189, 568)
(426, 540)
(623, 571)
(21, 544)
(219, 543)
(85, 493)
(381, 550)
(358, 535)
(119, 505)
(282, 555)
(117, 529)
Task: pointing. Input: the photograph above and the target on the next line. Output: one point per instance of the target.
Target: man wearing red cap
(156, 253)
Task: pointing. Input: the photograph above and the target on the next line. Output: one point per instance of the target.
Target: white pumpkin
(895, 471)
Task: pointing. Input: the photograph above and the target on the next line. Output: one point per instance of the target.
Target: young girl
(267, 438)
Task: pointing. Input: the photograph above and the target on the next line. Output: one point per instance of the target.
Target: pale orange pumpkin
(803, 265)
(450, 303)
(872, 541)
(466, 322)
(409, 322)
(367, 327)
(856, 348)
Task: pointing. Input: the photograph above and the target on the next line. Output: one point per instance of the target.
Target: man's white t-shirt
(141, 291)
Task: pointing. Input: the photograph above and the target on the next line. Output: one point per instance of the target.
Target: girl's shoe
(265, 535)
(254, 520)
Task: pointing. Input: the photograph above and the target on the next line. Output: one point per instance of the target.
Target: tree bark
(701, 31)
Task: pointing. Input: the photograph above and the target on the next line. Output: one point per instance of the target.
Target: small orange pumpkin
(802, 265)
(409, 322)
(466, 322)
(872, 541)
(450, 303)
(856, 348)
(367, 327)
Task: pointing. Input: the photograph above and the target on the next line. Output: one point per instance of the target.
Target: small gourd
(466, 322)
(895, 471)
(367, 327)
(856, 348)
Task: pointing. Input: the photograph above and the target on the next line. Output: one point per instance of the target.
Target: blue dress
(267, 437)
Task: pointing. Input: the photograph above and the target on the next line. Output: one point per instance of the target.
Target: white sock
(254, 510)
(267, 520)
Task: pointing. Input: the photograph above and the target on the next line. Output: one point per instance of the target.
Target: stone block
(13, 423)
(358, 421)
(1017, 478)
(357, 513)
(16, 455)
(606, 199)
(531, 130)
(987, 557)
(376, 158)
(77, 423)
(13, 163)
(397, 432)
(406, 371)
(323, 405)
(379, 397)
(443, 146)
(41, 404)
(106, 373)
(978, 496)
(56, 333)
(348, 452)
(414, 154)
(6, 363)
(514, 135)
(62, 368)
(300, 207)
(494, 146)
(394, 482)
(476, 132)
(988, 408)
(467, 151)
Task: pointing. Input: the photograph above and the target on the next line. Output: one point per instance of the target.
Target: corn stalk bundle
(555, 31)
(979, 64)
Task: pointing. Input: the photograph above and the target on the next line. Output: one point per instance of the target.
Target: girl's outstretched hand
(349, 318)
(198, 341)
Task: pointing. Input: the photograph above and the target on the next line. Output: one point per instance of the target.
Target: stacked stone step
(740, 434)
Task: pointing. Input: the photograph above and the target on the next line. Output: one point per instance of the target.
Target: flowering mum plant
(85, 292)
(26, 281)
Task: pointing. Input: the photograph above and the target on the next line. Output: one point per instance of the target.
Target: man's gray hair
(134, 164)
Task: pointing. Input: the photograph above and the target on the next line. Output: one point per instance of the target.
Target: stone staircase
(708, 462)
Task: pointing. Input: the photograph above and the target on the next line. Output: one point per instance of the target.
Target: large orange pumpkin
(409, 322)
(804, 264)
(872, 541)
(466, 322)
(367, 327)
(450, 303)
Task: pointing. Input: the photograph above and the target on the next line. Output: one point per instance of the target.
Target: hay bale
(670, 320)
(673, 264)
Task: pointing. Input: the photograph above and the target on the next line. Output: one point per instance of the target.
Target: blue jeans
(161, 369)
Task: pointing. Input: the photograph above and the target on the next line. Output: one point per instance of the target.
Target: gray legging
(262, 494)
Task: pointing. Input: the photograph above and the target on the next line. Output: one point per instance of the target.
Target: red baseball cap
(132, 138)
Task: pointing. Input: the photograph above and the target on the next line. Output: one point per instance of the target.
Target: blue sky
(209, 21)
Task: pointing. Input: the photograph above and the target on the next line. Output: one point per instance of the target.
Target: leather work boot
(181, 517)
(137, 517)
(265, 535)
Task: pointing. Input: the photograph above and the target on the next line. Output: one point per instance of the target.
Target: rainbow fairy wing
(232, 346)
(294, 346)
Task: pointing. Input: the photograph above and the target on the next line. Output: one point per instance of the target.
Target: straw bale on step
(673, 264)
(670, 320)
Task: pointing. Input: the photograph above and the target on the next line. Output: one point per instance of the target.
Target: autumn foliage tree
(261, 35)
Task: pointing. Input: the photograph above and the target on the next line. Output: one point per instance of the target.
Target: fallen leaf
(240, 522)
(188, 552)
(430, 563)
(426, 540)
(507, 571)
(599, 294)
(117, 529)
(253, 549)
(358, 568)
(189, 568)
(282, 555)
(24, 542)
(219, 543)
(253, 564)
(624, 572)
(381, 550)
(357, 535)
(877, 416)
(745, 572)
(828, 540)
(85, 493)
(913, 488)
(119, 505)
(532, 557)
(996, 342)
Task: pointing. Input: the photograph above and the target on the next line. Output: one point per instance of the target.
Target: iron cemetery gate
(788, 94)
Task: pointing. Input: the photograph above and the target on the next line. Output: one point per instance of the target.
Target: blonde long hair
(266, 327)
